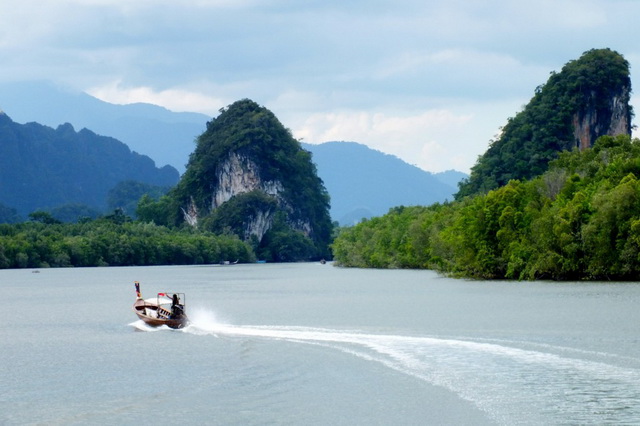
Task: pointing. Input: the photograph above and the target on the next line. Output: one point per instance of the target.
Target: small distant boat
(164, 309)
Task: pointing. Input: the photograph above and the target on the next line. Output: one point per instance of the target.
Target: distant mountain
(166, 137)
(364, 183)
(451, 177)
(43, 168)
(361, 182)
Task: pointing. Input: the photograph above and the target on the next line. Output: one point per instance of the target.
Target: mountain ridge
(353, 199)
(169, 137)
(42, 168)
(152, 130)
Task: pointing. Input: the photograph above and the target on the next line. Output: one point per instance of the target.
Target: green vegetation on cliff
(579, 220)
(297, 215)
(544, 201)
(584, 88)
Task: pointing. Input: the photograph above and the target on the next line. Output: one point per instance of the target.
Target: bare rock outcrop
(237, 175)
(614, 119)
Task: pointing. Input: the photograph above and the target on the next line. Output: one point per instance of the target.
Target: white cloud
(422, 139)
(172, 99)
(428, 81)
(568, 14)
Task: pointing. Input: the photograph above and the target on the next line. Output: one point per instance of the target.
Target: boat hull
(145, 312)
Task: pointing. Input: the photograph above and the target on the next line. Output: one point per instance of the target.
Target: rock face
(258, 224)
(614, 119)
(238, 175)
(248, 176)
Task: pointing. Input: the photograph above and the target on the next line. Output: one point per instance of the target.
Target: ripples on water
(333, 346)
(513, 382)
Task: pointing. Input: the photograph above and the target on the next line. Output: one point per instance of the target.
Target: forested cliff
(248, 176)
(578, 220)
(587, 99)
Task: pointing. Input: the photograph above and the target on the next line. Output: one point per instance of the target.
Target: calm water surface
(310, 344)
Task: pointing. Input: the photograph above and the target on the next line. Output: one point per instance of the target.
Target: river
(311, 344)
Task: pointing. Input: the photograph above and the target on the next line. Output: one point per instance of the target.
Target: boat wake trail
(142, 326)
(511, 381)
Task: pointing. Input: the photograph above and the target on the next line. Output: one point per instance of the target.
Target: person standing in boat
(176, 308)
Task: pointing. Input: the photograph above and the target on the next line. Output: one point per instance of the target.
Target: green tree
(43, 217)
(608, 237)
(126, 195)
(161, 212)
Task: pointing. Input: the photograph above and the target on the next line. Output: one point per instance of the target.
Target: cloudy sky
(428, 81)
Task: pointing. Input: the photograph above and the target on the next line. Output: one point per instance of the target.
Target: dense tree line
(113, 240)
(579, 220)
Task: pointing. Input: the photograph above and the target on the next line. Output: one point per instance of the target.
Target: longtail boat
(164, 309)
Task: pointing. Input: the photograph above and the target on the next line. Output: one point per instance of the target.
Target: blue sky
(428, 81)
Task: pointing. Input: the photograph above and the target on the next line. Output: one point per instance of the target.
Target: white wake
(513, 385)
